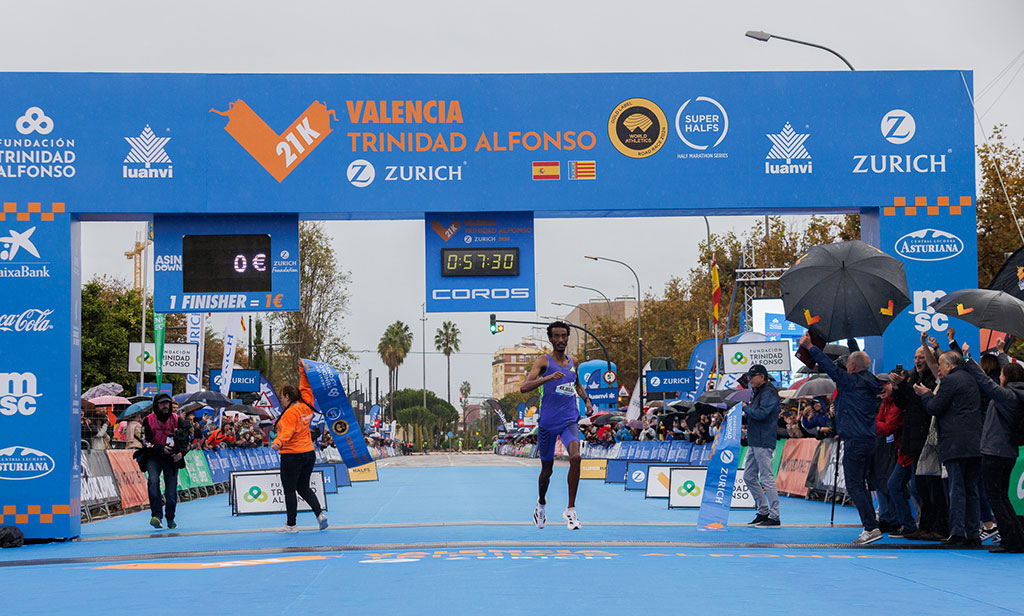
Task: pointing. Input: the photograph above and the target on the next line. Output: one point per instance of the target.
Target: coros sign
(929, 245)
(19, 463)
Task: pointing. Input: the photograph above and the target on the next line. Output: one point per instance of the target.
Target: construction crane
(135, 254)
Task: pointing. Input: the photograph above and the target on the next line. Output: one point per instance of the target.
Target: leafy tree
(447, 341)
(438, 418)
(464, 390)
(259, 353)
(998, 232)
(111, 320)
(315, 331)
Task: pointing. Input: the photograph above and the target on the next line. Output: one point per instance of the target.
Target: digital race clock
(225, 263)
(480, 261)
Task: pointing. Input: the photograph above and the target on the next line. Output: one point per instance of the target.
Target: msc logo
(360, 173)
(925, 317)
(898, 126)
(18, 393)
(470, 294)
(929, 245)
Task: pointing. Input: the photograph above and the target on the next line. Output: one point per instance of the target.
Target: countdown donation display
(226, 263)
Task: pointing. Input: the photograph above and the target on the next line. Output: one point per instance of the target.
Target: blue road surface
(459, 540)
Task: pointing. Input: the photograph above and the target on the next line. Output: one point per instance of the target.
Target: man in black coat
(956, 405)
(167, 441)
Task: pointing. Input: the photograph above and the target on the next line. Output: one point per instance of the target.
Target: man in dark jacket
(916, 421)
(956, 405)
(762, 417)
(856, 408)
(167, 441)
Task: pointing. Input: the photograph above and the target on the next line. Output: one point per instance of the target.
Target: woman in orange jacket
(297, 458)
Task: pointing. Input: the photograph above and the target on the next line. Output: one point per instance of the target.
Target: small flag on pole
(716, 291)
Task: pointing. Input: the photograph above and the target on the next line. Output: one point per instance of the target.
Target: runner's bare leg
(546, 468)
(574, 471)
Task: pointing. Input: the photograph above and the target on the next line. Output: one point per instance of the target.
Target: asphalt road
(446, 459)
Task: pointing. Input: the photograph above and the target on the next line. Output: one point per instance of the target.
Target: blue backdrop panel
(616, 471)
(40, 370)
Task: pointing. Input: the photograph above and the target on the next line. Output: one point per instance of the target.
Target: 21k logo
(279, 154)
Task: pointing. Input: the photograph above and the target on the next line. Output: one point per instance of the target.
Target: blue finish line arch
(895, 146)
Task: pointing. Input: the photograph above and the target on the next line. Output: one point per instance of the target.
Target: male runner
(559, 415)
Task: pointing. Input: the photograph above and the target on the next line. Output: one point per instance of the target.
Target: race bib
(566, 389)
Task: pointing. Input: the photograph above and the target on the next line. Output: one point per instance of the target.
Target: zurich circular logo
(284, 254)
(468, 239)
(898, 126)
(655, 381)
(702, 123)
(360, 173)
(333, 414)
(638, 476)
(727, 457)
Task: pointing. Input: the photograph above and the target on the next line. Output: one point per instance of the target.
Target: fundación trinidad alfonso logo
(278, 154)
(147, 150)
(637, 128)
(787, 145)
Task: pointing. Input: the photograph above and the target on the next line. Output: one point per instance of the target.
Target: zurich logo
(929, 245)
(727, 457)
(332, 414)
(655, 381)
(638, 476)
(898, 126)
(360, 173)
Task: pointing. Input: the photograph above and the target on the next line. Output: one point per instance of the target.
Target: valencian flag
(321, 387)
(716, 291)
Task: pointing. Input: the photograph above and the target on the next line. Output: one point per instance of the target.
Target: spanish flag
(716, 291)
(547, 170)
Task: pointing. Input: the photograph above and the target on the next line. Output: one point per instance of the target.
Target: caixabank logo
(278, 154)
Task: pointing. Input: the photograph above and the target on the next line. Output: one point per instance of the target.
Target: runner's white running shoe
(540, 518)
(288, 529)
(571, 521)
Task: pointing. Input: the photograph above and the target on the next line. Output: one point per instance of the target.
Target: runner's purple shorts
(546, 439)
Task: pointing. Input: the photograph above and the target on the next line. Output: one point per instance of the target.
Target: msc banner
(325, 385)
(739, 357)
(718, 486)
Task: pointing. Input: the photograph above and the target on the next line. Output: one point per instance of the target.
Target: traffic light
(495, 327)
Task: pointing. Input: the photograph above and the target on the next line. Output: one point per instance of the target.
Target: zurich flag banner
(717, 497)
(325, 385)
(702, 362)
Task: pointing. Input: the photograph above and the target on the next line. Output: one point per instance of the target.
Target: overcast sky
(417, 36)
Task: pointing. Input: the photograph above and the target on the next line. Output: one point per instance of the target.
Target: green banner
(159, 328)
(198, 470)
(1017, 484)
(184, 483)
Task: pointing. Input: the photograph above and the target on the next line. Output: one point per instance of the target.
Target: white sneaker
(868, 536)
(571, 521)
(540, 517)
(322, 519)
(288, 529)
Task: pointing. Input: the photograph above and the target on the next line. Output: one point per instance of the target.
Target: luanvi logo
(278, 154)
(147, 150)
(787, 145)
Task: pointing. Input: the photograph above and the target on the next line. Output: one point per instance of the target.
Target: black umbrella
(213, 399)
(844, 290)
(1010, 277)
(984, 308)
(605, 418)
(727, 397)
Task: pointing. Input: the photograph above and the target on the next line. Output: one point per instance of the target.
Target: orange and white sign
(279, 154)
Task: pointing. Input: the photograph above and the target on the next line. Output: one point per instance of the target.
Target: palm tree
(447, 341)
(393, 347)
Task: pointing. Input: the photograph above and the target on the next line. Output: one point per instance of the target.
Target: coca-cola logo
(32, 320)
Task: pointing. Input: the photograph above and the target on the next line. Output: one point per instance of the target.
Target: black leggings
(996, 472)
(295, 471)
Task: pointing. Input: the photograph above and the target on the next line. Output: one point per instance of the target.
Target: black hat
(758, 369)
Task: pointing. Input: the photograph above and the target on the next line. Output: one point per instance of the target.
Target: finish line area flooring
(453, 534)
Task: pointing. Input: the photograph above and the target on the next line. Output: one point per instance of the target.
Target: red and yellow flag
(716, 291)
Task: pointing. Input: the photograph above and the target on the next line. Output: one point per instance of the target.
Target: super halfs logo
(278, 154)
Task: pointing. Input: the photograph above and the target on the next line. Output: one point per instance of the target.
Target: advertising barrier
(98, 484)
(657, 481)
(366, 472)
(721, 476)
(685, 489)
(131, 482)
(615, 471)
(593, 469)
(261, 492)
(636, 474)
(798, 454)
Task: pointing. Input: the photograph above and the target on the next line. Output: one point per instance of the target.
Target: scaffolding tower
(752, 279)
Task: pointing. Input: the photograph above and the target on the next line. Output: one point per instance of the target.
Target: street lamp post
(639, 336)
(764, 36)
(587, 338)
(579, 286)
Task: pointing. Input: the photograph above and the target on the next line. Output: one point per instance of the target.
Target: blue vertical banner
(702, 362)
(40, 370)
(326, 385)
(717, 497)
(598, 375)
